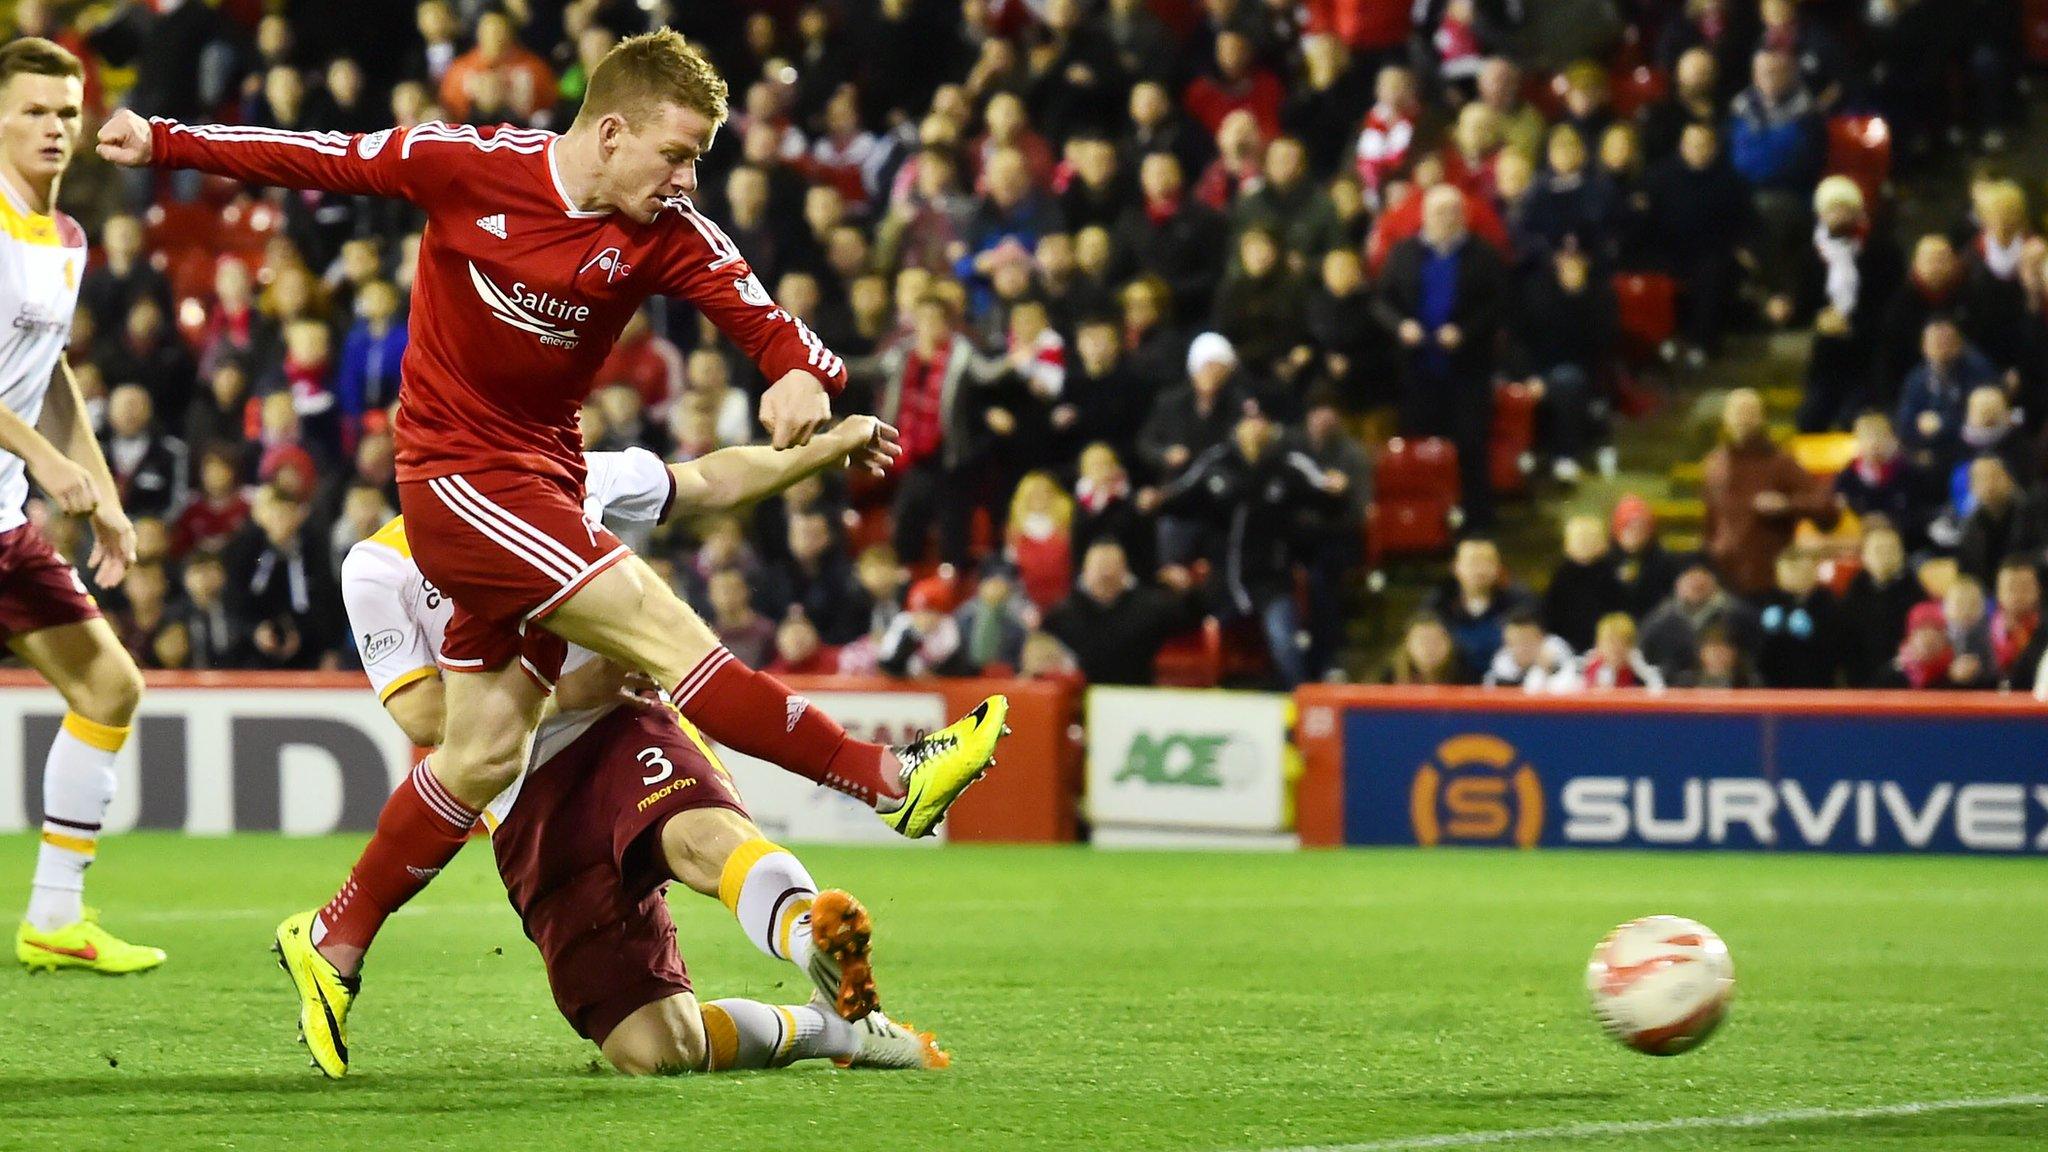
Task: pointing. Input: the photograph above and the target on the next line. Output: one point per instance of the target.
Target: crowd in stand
(1128, 275)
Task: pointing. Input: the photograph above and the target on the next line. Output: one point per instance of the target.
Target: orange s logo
(1473, 791)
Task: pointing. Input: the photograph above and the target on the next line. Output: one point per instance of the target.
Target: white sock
(771, 894)
(78, 784)
(750, 1034)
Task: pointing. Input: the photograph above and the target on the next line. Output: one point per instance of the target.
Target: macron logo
(494, 224)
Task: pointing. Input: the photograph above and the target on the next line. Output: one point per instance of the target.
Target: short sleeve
(395, 648)
(633, 485)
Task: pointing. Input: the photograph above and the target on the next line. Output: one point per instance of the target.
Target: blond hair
(1838, 190)
(1037, 486)
(642, 72)
(1619, 626)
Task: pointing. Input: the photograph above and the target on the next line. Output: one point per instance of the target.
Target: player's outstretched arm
(733, 477)
(375, 164)
(706, 269)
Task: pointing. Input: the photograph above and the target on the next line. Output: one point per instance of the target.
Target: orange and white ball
(1661, 984)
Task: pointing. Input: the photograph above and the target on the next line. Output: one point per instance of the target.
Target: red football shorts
(581, 857)
(508, 548)
(37, 588)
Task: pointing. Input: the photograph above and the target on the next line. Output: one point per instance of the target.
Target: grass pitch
(1092, 1000)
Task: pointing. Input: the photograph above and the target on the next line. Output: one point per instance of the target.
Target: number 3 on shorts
(655, 758)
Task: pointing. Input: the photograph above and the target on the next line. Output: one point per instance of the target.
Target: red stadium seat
(174, 225)
(1514, 437)
(1840, 572)
(191, 322)
(1191, 660)
(190, 271)
(1416, 493)
(866, 529)
(246, 227)
(2034, 33)
(1636, 88)
(981, 534)
(1860, 147)
(1649, 313)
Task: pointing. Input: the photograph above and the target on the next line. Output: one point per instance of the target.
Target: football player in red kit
(538, 248)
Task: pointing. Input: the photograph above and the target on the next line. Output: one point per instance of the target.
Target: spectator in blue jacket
(367, 379)
(1931, 404)
(1774, 131)
(1775, 144)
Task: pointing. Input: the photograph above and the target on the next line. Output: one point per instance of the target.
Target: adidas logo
(795, 711)
(494, 224)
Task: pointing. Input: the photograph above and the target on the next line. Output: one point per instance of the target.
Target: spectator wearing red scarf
(1238, 83)
(2017, 639)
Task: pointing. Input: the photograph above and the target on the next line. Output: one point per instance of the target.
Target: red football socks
(754, 713)
(420, 830)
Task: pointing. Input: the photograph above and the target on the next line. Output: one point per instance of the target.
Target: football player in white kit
(587, 840)
(47, 616)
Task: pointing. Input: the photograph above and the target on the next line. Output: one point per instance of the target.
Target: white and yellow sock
(78, 784)
(750, 1034)
(769, 891)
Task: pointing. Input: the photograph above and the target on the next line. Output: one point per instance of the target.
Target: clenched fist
(124, 140)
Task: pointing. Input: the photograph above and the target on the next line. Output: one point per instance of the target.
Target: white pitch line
(1680, 1124)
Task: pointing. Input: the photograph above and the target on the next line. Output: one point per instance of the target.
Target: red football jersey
(519, 296)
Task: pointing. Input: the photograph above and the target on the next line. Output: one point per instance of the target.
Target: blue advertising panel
(1649, 779)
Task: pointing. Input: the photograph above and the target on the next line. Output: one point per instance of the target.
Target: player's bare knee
(697, 843)
(110, 692)
(665, 1038)
(478, 774)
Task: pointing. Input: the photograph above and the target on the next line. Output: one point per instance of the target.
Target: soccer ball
(1662, 984)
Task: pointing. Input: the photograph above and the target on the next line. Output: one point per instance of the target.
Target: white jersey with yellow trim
(42, 260)
(399, 619)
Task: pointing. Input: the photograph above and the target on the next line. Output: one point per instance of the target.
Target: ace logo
(1178, 759)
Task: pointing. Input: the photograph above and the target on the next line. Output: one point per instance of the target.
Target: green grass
(1091, 1000)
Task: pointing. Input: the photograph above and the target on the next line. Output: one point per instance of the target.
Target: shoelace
(915, 753)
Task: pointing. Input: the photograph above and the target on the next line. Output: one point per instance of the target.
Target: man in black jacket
(148, 466)
(1184, 424)
(1260, 501)
(1115, 625)
(1565, 336)
(1175, 237)
(281, 586)
(1701, 215)
(1442, 294)
(1103, 399)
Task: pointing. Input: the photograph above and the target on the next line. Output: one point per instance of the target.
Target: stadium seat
(190, 271)
(1860, 147)
(981, 534)
(1649, 313)
(1823, 453)
(2034, 34)
(1246, 659)
(1416, 487)
(1513, 439)
(866, 529)
(1839, 572)
(1638, 87)
(191, 322)
(1193, 659)
(246, 227)
(172, 225)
